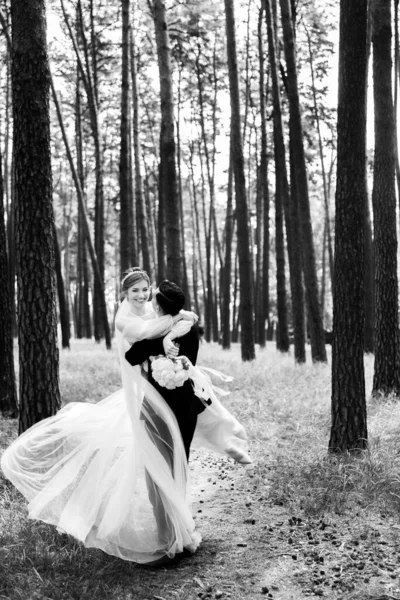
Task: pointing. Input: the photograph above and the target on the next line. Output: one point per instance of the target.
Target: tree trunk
(89, 79)
(37, 319)
(196, 219)
(266, 254)
(298, 291)
(387, 351)
(318, 351)
(140, 201)
(196, 260)
(245, 265)
(282, 334)
(262, 279)
(150, 216)
(209, 156)
(185, 282)
(62, 296)
(235, 312)
(161, 228)
(349, 418)
(63, 282)
(227, 271)
(127, 232)
(369, 283)
(207, 223)
(289, 200)
(8, 391)
(321, 157)
(85, 220)
(88, 70)
(207, 227)
(323, 274)
(396, 88)
(12, 249)
(9, 186)
(83, 321)
(168, 179)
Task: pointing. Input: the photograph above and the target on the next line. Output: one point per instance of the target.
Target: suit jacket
(182, 400)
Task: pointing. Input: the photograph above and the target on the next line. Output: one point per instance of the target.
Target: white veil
(112, 474)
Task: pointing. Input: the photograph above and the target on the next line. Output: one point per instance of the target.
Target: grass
(286, 410)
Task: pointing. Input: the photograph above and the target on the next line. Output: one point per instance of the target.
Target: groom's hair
(170, 297)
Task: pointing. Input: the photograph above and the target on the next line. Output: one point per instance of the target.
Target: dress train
(114, 474)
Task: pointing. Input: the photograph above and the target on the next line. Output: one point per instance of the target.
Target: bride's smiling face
(138, 294)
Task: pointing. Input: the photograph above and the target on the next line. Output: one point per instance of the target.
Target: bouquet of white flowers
(170, 372)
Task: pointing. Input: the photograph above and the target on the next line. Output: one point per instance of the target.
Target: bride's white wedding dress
(102, 472)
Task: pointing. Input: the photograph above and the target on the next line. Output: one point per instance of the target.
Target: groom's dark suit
(182, 400)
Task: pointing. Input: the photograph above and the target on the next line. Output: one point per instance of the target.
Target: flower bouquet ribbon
(202, 384)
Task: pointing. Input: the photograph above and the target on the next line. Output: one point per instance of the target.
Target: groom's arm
(140, 351)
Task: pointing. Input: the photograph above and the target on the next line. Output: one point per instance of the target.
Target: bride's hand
(170, 349)
(188, 315)
(180, 329)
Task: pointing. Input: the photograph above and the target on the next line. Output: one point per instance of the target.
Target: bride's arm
(134, 329)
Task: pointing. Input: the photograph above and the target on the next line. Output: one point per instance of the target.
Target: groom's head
(169, 297)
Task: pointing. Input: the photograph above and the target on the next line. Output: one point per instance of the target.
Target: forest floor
(296, 524)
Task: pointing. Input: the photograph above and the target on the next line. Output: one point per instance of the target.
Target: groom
(169, 299)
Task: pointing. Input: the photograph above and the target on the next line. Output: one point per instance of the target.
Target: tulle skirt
(114, 474)
(113, 480)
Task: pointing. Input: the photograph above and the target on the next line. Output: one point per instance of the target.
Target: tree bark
(262, 270)
(227, 269)
(289, 199)
(207, 227)
(349, 418)
(282, 334)
(387, 350)
(196, 219)
(89, 79)
(245, 264)
(323, 274)
(369, 283)
(316, 330)
(127, 231)
(85, 220)
(140, 200)
(83, 319)
(168, 178)
(321, 157)
(8, 180)
(62, 295)
(235, 311)
(185, 282)
(8, 391)
(396, 87)
(209, 159)
(37, 320)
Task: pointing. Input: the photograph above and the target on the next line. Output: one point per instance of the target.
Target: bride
(89, 469)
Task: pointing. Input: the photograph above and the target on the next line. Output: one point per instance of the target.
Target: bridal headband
(141, 272)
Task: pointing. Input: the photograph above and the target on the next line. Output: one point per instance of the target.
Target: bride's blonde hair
(130, 277)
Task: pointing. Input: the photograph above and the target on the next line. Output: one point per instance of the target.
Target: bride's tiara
(141, 272)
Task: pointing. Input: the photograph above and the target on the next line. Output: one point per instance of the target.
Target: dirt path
(254, 549)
